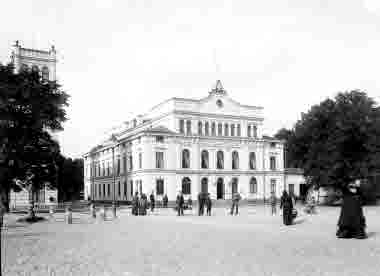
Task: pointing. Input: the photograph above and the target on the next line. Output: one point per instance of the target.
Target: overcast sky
(119, 58)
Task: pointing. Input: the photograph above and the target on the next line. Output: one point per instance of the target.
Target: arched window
(235, 160)
(235, 181)
(185, 159)
(213, 130)
(220, 160)
(220, 129)
(249, 131)
(24, 67)
(252, 161)
(45, 73)
(186, 186)
(199, 128)
(188, 127)
(253, 186)
(204, 185)
(232, 130)
(35, 68)
(207, 132)
(204, 161)
(238, 130)
(255, 131)
(225, 129)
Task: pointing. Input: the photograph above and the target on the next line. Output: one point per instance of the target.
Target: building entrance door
(220, 189)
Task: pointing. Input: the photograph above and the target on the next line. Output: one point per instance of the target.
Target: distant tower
(33, 59)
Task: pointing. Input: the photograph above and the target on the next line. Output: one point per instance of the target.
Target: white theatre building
(213, 145)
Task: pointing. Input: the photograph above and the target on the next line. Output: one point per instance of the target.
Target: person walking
(235, 203)
(165, 201)
(152, 202)
(208, 204)
(200, 204)
(180, 201)
(273, 203)
(287, 208)
(351, 222)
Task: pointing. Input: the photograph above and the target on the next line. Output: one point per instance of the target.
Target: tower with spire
(218, 89)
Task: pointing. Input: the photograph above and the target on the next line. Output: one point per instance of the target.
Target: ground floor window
(291, 189)
(159, 187)
(118, 188)
(186, 186)
(131, 186)
(204, 185)
(125, 188)
(234, 185)
(253, 186)
(273, 186)
(109, 190)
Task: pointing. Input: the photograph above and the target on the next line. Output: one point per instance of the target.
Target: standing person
(190, 203)
(351, 223)
(135, 204)
(152, 202)
(273, 203)
(235, 203)
(180, 201)
(208, 204)
(200, 204)
(287, 208)
(165, 201)
(143, 205)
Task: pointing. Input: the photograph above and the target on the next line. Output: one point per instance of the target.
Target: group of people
(139, 205)
(204, 200)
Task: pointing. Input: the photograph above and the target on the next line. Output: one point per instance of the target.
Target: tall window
(188, 127)
(160, 139)
(125, 163)
(220, 129)
(207, 131)
(225, 129)
(45, 73)
(159, 186)
(273, 186)
(253, 185)
(238, 130)
(255, 131)
(252, 161)
(108, 190)
(125, 188)
(118, 188)
(131, 186)
(185, 159)
(181, 126)
(103, 169)
(204, 161)
(273, 163)
(159, 160)
(232, 130)
(219, 160)
(130, 162)
(140, 160)
(199, 128)
(118, 165)
(249, 131)
(186, 186)
(213, 130)
(235, 160)
(204, 185)
(291, 189)
(235, 185)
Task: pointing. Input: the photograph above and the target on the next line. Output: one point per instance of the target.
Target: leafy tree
(29, 107)
(337, 141)
(287, 136)
(70, 178)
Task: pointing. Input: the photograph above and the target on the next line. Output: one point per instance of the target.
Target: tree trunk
(31, 213)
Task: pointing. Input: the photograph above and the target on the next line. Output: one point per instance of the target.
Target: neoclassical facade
(213, 145)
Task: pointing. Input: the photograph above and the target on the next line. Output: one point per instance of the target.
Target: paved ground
(253, 243)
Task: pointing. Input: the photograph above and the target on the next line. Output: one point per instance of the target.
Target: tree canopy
(336, 141)
(30, 107)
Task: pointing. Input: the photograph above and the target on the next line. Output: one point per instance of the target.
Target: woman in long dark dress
(287, 208)
(135, 204)
(351, 223)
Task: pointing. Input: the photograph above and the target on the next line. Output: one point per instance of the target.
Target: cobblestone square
(253, 243)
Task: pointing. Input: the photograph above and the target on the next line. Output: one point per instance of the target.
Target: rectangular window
(199, 128)
(159, 187)
(291, 189)
(232, 130)
(255, 131)
(118, 165)
(213, 130)
(140, 160)
(118, 188)
(188, 127)
(109, 190)
(181, 126)
(104, 190)
(249, 131)
(238, 130)
(225, 129)
(159, 160)
(273, 163)
(124, 164)
(273, 186)
(220, 129)
(130, 163)
(159, 139)
(125, 188)
(131, 186)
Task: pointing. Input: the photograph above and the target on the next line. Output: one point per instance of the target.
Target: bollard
(69, 215)
(93, 210)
